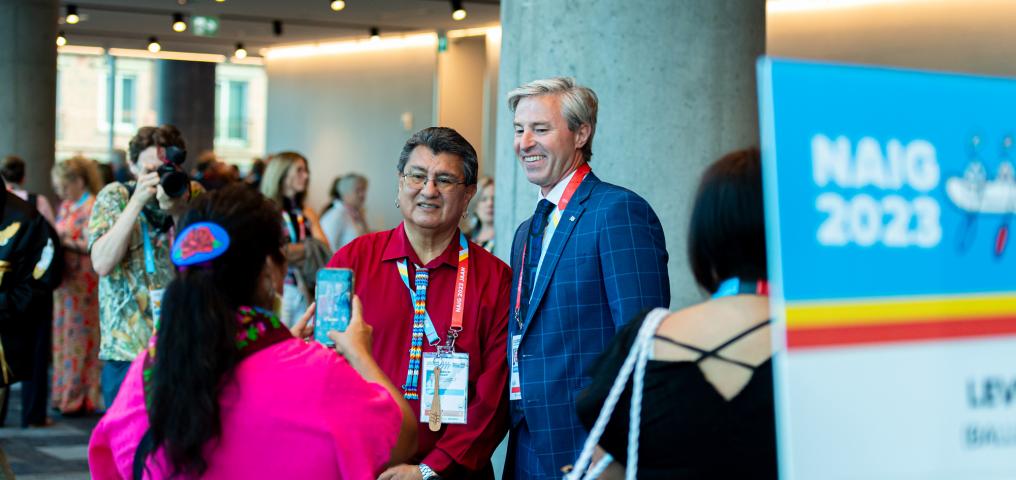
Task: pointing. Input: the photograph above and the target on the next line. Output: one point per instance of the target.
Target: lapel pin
(572, 219)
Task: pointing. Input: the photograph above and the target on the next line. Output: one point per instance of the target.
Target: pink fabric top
(293, 410)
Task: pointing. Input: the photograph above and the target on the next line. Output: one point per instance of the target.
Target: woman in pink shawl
(225, 390)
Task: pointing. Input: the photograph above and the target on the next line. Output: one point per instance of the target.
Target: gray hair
(443, 140)
(578, 104)
(348, 182)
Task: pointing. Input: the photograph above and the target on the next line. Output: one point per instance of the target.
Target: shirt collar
(398, 247)
(555, 194)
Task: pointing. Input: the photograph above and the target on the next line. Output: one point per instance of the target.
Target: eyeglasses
(444, 183)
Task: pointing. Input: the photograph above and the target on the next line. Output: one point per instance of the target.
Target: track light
(375, 34)
(179, 25)
(277, 27)
(240, 52)
(61, 40)
(153, 45)
(458, 12)
(72, 15)
(338, 5)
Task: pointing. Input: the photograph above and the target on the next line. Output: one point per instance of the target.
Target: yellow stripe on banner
(896, 311)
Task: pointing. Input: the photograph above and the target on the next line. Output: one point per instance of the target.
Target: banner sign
(890, 198)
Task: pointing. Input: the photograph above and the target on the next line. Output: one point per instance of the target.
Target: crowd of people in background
(67, 366)
(183, 305)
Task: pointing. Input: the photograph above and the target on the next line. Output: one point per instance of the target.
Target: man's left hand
(402, 472)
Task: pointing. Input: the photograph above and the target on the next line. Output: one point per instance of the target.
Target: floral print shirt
(125, 312)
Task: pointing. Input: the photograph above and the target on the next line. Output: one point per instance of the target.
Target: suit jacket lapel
(557, 243)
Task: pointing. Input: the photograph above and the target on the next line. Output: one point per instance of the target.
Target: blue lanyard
(428, 324)
(734, 286)
(82, 200)
(149, 254)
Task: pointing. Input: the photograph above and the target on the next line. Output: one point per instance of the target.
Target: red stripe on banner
(900, 332)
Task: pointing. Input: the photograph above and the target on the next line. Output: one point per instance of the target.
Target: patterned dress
(76, 365)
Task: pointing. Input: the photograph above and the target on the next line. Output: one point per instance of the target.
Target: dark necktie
(537, 226)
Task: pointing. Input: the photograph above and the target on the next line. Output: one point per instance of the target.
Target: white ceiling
(128, 23)
(976, 36)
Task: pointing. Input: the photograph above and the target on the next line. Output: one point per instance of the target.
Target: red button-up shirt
(388, 308)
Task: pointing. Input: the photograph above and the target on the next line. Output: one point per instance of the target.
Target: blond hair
(277, 167)
(80, 167)
(578, 104)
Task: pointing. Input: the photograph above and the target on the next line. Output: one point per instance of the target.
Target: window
(231, 112)
(125, 103)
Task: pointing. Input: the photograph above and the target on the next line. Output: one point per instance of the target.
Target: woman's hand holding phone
(304, 328)
(354, 343)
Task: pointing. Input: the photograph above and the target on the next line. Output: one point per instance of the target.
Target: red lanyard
(461, 275)
(580, 174)
(459, 304)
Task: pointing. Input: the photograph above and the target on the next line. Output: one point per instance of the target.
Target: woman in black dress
(707, 406)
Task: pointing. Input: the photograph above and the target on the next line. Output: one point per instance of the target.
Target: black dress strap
(740, 336)
(714, 353)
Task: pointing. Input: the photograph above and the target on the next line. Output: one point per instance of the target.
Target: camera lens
(174, 182)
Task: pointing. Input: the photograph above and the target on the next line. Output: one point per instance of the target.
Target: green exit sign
(205, 26)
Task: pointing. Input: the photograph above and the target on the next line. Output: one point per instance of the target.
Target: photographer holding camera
(129, 237)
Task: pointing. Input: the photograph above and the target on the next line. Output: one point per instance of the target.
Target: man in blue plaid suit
(590, 259)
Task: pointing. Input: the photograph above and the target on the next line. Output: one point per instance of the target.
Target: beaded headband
(199, 244)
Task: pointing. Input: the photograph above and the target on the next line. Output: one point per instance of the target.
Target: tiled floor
(58, 452)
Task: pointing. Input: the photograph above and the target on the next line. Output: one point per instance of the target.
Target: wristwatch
(427, 473)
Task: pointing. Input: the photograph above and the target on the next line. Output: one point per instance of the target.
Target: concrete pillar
(28, 87)
(187, 100)
(676, 84)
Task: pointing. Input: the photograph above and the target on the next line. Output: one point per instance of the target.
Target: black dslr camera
(173, 179)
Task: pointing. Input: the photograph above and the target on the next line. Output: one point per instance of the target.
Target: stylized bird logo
(8, 233)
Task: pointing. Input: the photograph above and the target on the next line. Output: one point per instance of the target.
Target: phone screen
(334, 302)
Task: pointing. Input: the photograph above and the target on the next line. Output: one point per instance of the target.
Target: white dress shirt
(554, 196)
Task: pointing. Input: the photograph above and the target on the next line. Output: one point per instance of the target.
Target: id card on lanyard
(514, 381)
(445, 398)
(445, 371)
(154, 294)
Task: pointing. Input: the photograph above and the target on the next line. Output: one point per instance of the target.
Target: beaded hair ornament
(198, 245)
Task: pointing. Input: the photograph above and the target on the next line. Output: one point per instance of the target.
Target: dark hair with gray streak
(443, 140)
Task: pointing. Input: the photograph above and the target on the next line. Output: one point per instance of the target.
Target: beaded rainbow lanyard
(411, 390)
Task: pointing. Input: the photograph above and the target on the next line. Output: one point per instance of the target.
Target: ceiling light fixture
(375, 34)
(61, 40)
(72, 15)
(179, 25)
(458, 12)
(337, 5)
(240, 52)
(153, 45)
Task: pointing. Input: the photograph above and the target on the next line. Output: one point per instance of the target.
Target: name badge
(155, 299)
(448, 390)
(515, 385)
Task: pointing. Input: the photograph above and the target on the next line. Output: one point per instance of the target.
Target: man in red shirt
(425, 288)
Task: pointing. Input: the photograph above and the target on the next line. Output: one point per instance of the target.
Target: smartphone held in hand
(334, 302)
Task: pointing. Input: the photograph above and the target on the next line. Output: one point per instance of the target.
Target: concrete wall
(345, 113)
(28, 87)
(461, 73)
(676, 86)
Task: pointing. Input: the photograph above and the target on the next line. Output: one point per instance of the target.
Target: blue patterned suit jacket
(605, 264)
